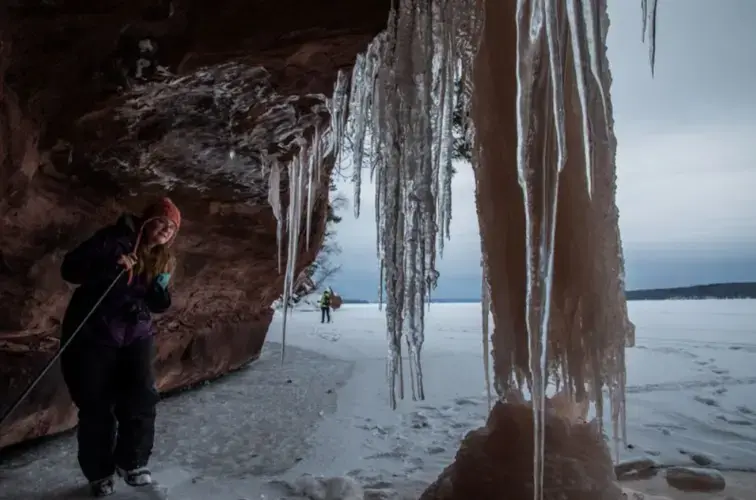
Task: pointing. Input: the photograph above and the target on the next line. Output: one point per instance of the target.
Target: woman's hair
(158, 259)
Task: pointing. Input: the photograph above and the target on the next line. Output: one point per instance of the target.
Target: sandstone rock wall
(104, 104)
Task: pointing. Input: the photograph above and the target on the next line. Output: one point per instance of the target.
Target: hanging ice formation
(648, 10)
(274, 199)
(400, 107)
(485, 303)
(303, 175)
(541, 24)
(402, 98)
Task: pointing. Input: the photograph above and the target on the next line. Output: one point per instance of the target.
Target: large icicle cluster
(304, 176)
(395, 118)
(402, 98)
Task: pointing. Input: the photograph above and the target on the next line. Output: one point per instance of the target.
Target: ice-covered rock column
(547, 213)
(535, 87)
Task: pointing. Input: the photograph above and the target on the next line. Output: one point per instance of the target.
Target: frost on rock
(213, 132)
(226, 128)
(402, 97)
(226, 133)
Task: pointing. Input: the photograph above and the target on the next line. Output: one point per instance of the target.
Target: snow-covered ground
(691, 394)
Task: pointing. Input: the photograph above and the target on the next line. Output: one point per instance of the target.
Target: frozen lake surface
(691, 391)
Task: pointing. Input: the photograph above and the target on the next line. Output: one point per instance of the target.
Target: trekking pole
(63, 347)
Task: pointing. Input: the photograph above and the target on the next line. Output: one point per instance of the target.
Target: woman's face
(160, 231)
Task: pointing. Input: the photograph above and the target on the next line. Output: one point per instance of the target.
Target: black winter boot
(136, 477)
(102, 487)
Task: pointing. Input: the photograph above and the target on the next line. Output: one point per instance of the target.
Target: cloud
(689, 186)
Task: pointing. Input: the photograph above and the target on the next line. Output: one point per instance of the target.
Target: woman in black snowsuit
(108, 365)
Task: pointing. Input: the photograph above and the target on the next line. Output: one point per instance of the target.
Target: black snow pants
(114, 391)
(325, 312)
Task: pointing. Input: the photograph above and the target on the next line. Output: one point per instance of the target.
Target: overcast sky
(686, 168)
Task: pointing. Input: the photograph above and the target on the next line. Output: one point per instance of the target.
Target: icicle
(447, 171)
(380, 287)
(591, 23)
(296, 181)
(402, 99)
(287, 274)
(274, 200)
(576, 37)
(445, 65)
(337, 107)
(556, 69)
(644, 14)
(380, 197)
(363, 75)
(530, 32)
(313, 165)
(359, 91)
(485, 302)
(649, 8)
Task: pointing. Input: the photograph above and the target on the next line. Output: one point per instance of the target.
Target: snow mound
(305, 304)
(327, 488)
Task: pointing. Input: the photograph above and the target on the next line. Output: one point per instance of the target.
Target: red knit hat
(163, 208)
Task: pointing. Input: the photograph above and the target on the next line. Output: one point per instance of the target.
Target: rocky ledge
(104, 104)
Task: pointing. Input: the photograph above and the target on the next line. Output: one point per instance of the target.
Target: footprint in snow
(706, 401)
(732, 421)
(419, 421)
(465, 402)
(745, 410)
